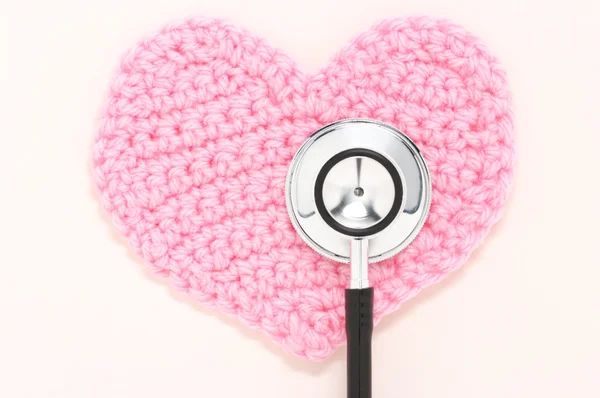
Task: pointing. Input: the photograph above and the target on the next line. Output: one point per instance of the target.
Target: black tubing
(359, 329)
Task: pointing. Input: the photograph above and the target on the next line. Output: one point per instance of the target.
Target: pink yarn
(203, 119)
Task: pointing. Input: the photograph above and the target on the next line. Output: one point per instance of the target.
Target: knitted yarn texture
(200, 126)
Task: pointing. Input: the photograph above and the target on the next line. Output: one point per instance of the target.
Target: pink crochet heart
(202, 122)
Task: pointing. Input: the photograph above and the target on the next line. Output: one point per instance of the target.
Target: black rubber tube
(359, 330)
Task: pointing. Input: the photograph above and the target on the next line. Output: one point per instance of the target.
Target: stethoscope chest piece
(358, 179)
(358, 191)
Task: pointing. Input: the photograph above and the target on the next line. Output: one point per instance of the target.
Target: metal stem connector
(359, 263)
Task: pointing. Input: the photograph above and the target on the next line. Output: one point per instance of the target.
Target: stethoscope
(358, 191)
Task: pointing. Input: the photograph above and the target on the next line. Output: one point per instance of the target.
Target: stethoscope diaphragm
(358, 178)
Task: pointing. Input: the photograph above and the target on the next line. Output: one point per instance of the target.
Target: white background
(81, 317)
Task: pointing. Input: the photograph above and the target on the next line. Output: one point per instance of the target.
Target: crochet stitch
(202, 122)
